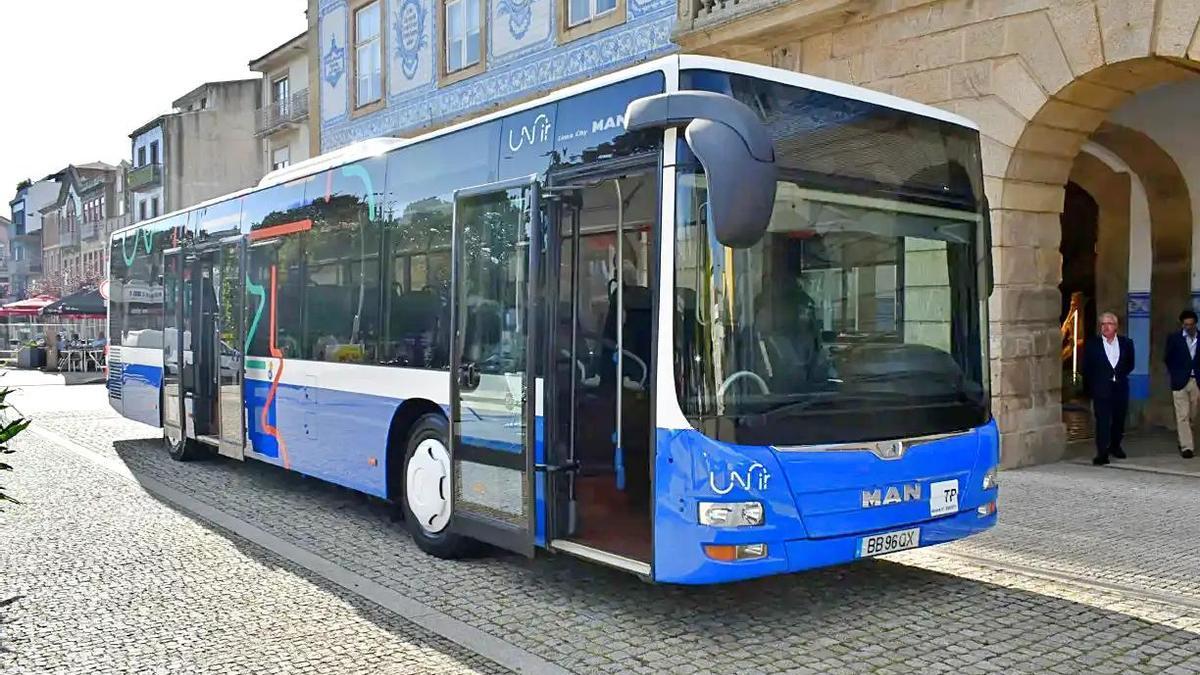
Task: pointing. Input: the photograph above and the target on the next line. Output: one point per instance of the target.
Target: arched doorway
(1090, 154)
(1079, 248)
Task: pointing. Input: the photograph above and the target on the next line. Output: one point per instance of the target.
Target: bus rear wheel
(427, 498)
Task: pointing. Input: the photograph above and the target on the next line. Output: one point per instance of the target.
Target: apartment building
(204, 148)
(282, 117)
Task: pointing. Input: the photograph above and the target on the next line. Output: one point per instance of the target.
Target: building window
(367, 62)
(204, 103)
(279, 90)
(154, 207)
(463, 44)
(141, 210)
(582, 11)
(141, 156)
(280, 158)
(579, 18)
(154, 152)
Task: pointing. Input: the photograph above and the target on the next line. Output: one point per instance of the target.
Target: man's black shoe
(1118, 453)
(1187, 454)
(1100, 460)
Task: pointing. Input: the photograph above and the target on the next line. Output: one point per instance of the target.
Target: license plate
(943, 498)
(889, 542)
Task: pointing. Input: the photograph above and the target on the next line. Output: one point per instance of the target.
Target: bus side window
(342, 257)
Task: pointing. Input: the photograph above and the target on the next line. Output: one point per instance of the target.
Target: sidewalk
(13, 377)
(1154, 450)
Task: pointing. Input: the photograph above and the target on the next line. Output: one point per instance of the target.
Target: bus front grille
(116, 370)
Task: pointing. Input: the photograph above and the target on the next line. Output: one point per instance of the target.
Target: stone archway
(1030, 193)
(1170, 246)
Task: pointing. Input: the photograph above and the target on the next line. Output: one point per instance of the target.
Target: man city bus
(698, 320)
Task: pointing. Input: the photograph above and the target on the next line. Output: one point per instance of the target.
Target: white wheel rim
(427, 485)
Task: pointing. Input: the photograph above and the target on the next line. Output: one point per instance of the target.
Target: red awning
(27, 307)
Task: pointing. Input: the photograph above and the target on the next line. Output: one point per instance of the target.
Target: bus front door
(494, 401)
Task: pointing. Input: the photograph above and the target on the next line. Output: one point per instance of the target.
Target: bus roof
(670, 65)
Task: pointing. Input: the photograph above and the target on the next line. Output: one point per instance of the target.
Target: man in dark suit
(1183, 366)
(1108, 360)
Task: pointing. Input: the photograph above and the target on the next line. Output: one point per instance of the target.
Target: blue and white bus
(699, 320)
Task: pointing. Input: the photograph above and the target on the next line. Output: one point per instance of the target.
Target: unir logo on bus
(754, 477)
(534, 133)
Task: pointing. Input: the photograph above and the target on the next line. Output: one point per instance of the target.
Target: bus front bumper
(804, 554)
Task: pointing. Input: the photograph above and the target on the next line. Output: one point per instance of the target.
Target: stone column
(1025, 341)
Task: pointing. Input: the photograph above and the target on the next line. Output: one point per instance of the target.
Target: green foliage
(9, 428)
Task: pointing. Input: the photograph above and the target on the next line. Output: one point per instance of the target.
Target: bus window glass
(274, 206)
(117, 277)
(138, 256)
(216, 221)
(861, 301)
(289, 288)
(591, 127)
(418, 215)
(527, 142)
(341, 294)
(259, 261)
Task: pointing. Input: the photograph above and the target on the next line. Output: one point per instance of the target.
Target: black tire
(186, 450)
(444, 544)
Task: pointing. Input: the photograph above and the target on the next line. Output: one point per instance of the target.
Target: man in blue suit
(1183, 366)
(1107, 362)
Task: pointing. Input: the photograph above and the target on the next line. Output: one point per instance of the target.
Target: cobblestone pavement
(115, 581)
(1089, 571)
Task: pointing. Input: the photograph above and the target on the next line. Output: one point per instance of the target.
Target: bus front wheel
(427, 498)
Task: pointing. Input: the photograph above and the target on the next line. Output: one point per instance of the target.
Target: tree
(8, 430)
(24, 184)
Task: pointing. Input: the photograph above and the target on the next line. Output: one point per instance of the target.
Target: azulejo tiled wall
(523, 59)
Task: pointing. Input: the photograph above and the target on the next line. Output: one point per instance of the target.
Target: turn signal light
(725, 553)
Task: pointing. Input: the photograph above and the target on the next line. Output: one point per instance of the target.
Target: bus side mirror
(733, 147)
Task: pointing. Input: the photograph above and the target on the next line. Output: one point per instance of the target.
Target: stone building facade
(1096, 99)
(205, 148)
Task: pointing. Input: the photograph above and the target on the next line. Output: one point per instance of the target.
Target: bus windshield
(858, 316)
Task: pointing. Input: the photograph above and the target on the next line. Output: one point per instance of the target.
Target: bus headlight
(732, 514)
(990, 479)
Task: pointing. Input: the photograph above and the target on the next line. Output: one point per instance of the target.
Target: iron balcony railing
(281, 113)
(147, 175)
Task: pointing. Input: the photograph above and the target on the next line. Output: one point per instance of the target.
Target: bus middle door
(494, 399)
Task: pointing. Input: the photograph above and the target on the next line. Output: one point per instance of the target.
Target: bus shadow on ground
(873, 614)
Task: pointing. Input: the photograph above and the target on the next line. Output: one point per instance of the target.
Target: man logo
(607, 123)
(889, 449)
(892, 495)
